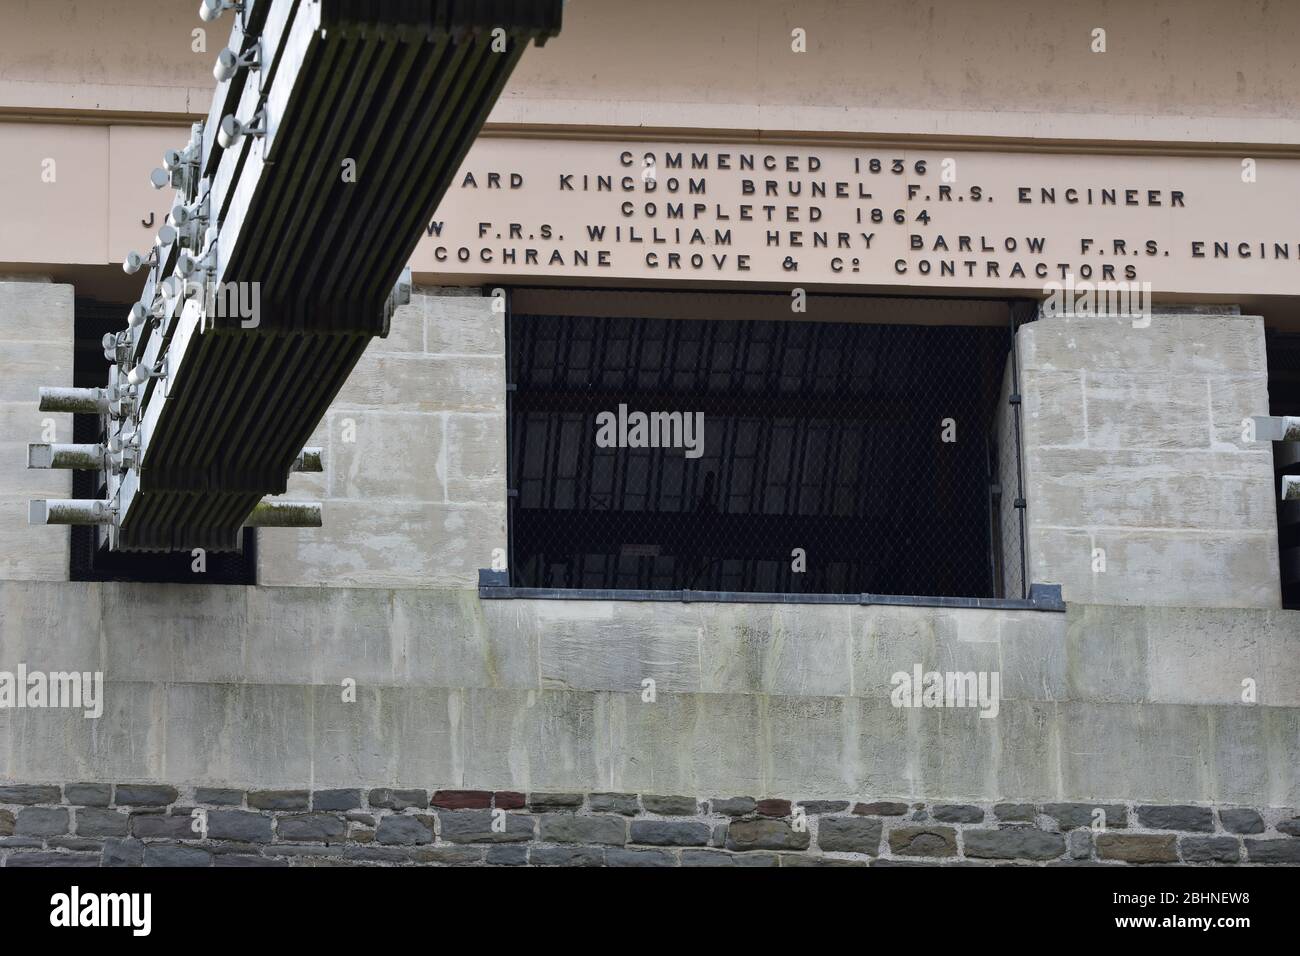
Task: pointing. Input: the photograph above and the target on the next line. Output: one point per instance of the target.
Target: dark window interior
(90, 562)
(1284, 399)
(820, 436)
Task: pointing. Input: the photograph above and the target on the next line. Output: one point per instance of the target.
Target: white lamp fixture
(229, 63)
(210, 10)
(134, 261)
(142, 373)
(233, 130)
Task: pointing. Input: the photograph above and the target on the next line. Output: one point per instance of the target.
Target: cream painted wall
(1177, 70)
(79, 193)
(103, 88)
(1213, 71)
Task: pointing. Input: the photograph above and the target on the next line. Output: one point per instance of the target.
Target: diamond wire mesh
(824, 466)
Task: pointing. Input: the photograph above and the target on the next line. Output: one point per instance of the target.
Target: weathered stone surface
(1018, 843)
(406, 828)
(923, 841)
(448, 855)
(143, 795)
(506, 855)
(608, 829)
(1209, 849)
(763, 834)
(1289, 827)
(803, 860)
(6, 823)
(849, 835)
(336, 800)
(1147, 404)
(566, 856)
(462, 799)
(821, 807)
(670, 832)
(1136, 847)
(171, 854)
(239, 825)
(509, 800)
(957, 813)
(81, 844)
(904, 863)
(541, 802)
(122, 852)
(1198, 819)
(1273, 851)
(1079, 841)
(41, 821)
(674, 772)
(218, 796)
(306, 852)
(475, 826)
(154, 825)
(88, 794)
(880, 809)
(311, 827)
(772, 808)
(1238, 820)
(321, 860)
(30, 794)
(388, 799)
(376, 854)
(624, 803)
(669, 806)
(734, 806)
(1068, 863)
(279, 799)
(53, 858)
(247, 860)
(719, 858)
(1015, 812)
(617, 856)
(1071, 815)
(97, 822)
(233, 846)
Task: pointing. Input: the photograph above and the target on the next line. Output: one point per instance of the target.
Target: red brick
(462, 799)
(773, 808)
(509, 800)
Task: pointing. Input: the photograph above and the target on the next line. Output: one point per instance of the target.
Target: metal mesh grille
(823, 466)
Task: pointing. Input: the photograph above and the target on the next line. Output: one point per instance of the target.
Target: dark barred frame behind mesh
(820, 438)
